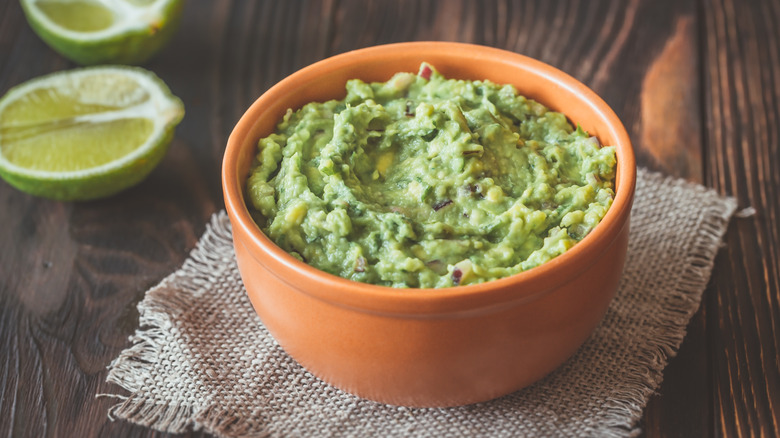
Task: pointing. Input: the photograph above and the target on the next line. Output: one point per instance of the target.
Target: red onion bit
(437, 266)
(441, 204)
(425, 72)
(409, 112)
(360, 264)
(457, 274)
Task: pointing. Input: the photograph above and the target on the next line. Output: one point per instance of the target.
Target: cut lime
(85, 133)
(104, 31)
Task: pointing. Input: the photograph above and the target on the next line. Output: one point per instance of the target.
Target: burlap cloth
(202, 359)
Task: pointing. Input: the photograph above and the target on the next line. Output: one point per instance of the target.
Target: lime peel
(132, 34)
(161, 108)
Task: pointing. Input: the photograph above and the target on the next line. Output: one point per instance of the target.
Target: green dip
(424, 181)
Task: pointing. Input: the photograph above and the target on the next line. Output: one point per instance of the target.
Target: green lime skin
(92, 187)
(97, 185)
(132, 48)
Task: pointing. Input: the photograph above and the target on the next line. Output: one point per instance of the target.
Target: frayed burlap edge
(168, 301)
(625, 412)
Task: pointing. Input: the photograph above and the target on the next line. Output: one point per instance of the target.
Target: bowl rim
(350, 293)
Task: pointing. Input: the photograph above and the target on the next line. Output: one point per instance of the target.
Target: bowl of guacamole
(429, 224)
(423, 181)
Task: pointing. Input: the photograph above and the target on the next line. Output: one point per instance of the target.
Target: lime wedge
(85, 133)
(104, 31)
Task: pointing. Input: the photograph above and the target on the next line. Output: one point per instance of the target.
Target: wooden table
(696, 83)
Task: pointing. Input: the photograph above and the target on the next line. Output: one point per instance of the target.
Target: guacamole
(424, 181)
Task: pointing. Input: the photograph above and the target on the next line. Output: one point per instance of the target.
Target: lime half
(104, 31)
(85, 133)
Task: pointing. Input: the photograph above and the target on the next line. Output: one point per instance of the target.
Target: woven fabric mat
(202, 359)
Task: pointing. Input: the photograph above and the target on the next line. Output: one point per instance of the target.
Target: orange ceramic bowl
(431, 347)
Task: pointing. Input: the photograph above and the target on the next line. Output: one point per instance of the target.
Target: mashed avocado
(424, 181)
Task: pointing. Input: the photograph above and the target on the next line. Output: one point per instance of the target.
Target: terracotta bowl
(431, 347)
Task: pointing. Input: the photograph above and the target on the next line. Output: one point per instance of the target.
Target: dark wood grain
(742, 87)
(697, 84)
